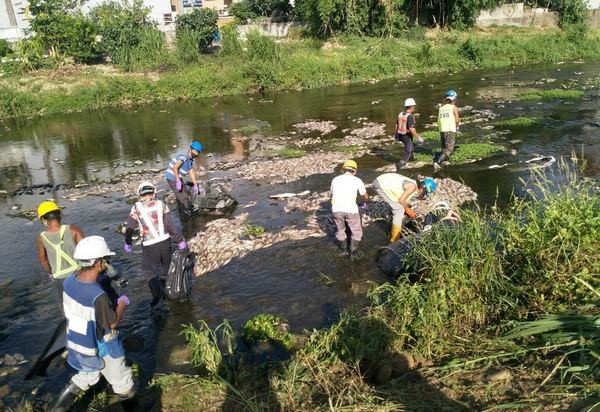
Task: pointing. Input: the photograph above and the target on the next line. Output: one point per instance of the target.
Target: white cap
(146, 184)
(410, 102)
(91, 248)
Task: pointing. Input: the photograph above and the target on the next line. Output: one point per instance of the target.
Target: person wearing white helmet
(156, 227)
(344, 190)
(448, 121)
(93, 346)
(406, 131)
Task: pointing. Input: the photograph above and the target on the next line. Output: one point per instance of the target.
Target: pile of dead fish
(125, 182)
(363, 135)
(324, 127)
(225, 239)
(308, 142)
(287, 170)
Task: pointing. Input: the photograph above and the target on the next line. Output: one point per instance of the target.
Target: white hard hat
(146, 188)
(410, 102)
(91, 248)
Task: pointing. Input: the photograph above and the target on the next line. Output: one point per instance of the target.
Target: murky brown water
(303, 281)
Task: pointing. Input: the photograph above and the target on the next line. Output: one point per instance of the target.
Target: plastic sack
(110, 345)
(215, 197)
(179, 279)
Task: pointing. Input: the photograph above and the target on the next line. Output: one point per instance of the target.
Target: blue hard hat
(429, 184)
(451, 94)
(197, 146)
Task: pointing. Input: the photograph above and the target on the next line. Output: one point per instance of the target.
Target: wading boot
(395, 234)
(355, 254)
(342, 247)
(437, 163)
(156, 289)
(400, 164)
(66, 398)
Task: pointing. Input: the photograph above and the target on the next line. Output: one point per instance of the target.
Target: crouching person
(93, 345)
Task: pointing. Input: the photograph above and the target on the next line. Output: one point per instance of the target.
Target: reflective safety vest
(402, 123)
(150, 220)
(186, 166)
(79, 300)
(392, 185)
(62, 265)
(446, 119)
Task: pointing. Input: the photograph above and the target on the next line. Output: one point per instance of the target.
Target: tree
(61, 29)
(201, 23)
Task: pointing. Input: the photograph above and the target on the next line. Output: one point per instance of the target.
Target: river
(297, 280)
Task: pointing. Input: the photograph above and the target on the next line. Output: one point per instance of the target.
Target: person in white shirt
(344, 189)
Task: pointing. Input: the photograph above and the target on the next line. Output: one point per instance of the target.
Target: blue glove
(123, 299)
(182, 245)
(128, 248)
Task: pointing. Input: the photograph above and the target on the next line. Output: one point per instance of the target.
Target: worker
(55, 245)
(344, 190)
(93, 345)
(156, 227)
(448, 122)
(397, 190)
(179, 167)
(406, 131)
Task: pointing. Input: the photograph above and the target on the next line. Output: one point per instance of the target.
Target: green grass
(522, 121)
(430, 135)
(254, 231)
(465, 152)
(249, 130)
(291, 66)
(291, 153)
(552, 94)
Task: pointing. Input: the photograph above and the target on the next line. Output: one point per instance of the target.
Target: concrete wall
(268, 28)
(516, 14)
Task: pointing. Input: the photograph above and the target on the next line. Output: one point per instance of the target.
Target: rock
(10, 360)
(181, 355)
(383, 374)
(4, 390)
(138, 162)
(402, 363)
(498, 374)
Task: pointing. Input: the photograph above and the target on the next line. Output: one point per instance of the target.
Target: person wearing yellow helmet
(344, 190)
(56, 245)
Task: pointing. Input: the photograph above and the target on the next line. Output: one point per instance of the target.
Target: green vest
(60, 249)
(446, 120)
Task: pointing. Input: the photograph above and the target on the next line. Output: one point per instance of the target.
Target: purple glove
(178, 185)
(363, 205)
(123, 299)
(420, 140)
(195, 189)
(128, 248)
(182, 245)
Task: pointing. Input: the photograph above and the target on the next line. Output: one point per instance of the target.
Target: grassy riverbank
(290, 65)
(447, 335)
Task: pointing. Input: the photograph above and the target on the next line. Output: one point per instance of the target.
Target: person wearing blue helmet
(397, 190)
(180, 166)
(448, 121)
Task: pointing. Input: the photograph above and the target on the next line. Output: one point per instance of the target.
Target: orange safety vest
(401, 126)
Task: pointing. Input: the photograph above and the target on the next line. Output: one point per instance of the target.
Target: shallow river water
(302, 281)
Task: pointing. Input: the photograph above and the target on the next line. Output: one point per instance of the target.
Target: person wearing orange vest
(448, 121)
(406, 131)
(156, 228)
(56, 245)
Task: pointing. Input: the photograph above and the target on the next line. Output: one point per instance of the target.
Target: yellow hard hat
(350, 163)
(47, 207)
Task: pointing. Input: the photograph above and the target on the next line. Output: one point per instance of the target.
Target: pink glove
(178, 185)
(128, 248)
(420, 140)
(195, 189)
(123, 299)
(182, 245)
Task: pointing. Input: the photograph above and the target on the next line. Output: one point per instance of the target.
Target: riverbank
(291, 65)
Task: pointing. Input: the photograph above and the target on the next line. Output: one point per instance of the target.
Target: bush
(230, 41)
(472, 51)
(5, 48)
(242, 12)
(263, 48)
(186, 44)
(202, 23)
(571, 12)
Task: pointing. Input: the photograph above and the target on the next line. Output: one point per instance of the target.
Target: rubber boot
(342, 247)
(437, 163)
(66, 398)
(400, 164)
(156, 290)
(355, 254)
(395, 235)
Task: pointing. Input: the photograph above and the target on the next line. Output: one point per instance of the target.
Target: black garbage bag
(215, 197)
(179, 279)
(391, 257)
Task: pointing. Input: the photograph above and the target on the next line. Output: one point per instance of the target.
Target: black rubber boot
(437, 163)
(400, 164)
(355, 254)
(156, 289)
(342, 247)
(66, 398)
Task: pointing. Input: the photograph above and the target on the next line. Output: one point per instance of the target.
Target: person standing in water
(180, 166)
(406, 131)
(448, 121)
